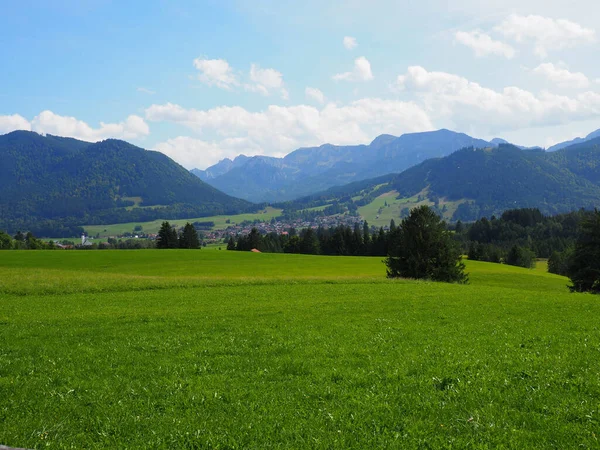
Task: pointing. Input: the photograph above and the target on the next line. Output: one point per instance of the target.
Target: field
(153, 227)
(217, 349)
(387, 207)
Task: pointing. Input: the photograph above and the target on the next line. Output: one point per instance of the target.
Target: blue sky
(204, 80)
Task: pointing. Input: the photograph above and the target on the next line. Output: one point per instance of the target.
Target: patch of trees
(23, 241)
(519, 236)
(337, 241)
(169, 237)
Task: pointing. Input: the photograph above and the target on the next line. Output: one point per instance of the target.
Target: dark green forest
(51, 185)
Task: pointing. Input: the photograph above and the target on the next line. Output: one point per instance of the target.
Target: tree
(231, 243)
(520, 256)
(309, 242)
(5, 241)
(584, 268)
(189, 237)
(167, 236)
(559, 262)
(421, 247)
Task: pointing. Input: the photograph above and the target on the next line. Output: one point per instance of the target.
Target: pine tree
(421, 247)
(584, 268)
(189, 237)
(167, 236)
(231, 243)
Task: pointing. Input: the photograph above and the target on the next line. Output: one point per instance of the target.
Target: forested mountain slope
(48, 178)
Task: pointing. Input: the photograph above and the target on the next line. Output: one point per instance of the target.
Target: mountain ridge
(48, 178)
(482, 182)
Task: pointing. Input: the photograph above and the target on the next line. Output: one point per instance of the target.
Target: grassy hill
(47, 178)
(230, 349)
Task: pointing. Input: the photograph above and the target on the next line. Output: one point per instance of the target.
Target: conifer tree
(421, 247)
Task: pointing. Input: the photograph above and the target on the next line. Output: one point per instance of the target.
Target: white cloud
(361, 72)
(193, 153)
(315, 94)
(266, 81)
(48, 122)
(466, 104)
(279, 130)
(13, 122)
(483, 45)
(562, 76)
(546, 33)
(144, 90)
(216, 72)
(350, 43)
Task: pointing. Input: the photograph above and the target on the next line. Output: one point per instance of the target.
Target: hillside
(472, 183)
(51, 180)
(309, 170)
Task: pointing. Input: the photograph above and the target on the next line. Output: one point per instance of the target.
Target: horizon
(204, 81)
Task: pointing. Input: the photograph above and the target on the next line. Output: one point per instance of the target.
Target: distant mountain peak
(382, 139)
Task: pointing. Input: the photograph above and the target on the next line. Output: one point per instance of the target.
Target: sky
(202, 80)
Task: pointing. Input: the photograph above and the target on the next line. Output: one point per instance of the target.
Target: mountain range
(578, 140)
(472, 183)
(47, 179)
(310, 170)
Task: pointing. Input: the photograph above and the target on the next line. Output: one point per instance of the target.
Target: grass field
(153, 227)
(217, 349)
(387, 207)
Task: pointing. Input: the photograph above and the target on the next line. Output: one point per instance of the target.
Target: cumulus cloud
(315, 94)
(466, 104)
(547, 34)
(266, 81)
(562, 76)
(216, 72)
(483, 45)
(361, 72)
(13, 122)
(279, 130)
(48, 122)
(350, 43)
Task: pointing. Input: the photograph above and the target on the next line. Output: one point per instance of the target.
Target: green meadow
(152, 227)
(217, 349)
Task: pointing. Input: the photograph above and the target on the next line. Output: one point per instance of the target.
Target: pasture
(217, 349)
(152, 227)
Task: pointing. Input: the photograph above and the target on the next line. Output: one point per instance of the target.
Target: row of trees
(22, 241)
(169, 237)
(339, 241)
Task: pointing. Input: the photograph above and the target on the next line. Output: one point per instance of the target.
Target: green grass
(153, 226)
(209, 349)
(378, 214)
(387, 207)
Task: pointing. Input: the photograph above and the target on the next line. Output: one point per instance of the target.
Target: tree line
(571, 242)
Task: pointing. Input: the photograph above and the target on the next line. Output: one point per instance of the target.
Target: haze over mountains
(309, 170)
